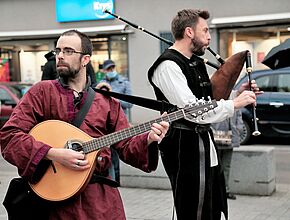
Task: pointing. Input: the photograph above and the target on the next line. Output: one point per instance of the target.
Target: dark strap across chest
(85, 108)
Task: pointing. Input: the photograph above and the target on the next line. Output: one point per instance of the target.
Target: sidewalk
(150, 204)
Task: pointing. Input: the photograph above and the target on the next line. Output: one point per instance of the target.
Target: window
(283, 83)
(163, 45)
(4, 95)
(258, 40)
(264, 83)
(113, 47)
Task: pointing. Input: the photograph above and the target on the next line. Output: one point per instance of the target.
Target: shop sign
(82, 10)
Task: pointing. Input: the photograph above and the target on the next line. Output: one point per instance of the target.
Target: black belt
(198, 128)
(103, 180)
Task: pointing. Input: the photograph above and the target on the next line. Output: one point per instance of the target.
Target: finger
(165, 125)
(81, 164)
(259, 92)
(80, 155)
(156, 131)
(162, 127)
(164, 114)
(156, 126)
(162, 135)
(156, 137)
(75, 165)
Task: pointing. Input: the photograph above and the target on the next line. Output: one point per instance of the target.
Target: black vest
(193, 69)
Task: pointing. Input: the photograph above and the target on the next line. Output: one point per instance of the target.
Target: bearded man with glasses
(62, 99)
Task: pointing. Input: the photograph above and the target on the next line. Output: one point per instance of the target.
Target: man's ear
(189, 32)
(86, 59)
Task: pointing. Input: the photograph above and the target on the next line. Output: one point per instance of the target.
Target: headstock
(198, 108)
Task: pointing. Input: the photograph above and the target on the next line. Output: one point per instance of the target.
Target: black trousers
(180, 155)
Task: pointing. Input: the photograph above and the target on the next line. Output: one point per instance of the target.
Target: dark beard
(68, 73)
(198, 47)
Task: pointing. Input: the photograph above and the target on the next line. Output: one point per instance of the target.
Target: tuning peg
(192, 103)
(202, 100)
(209, 99)
(194, 115)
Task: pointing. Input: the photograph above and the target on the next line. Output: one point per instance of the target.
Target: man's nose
(209, 37)
(60, 55)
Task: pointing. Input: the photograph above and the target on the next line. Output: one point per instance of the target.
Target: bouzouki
(59, 182)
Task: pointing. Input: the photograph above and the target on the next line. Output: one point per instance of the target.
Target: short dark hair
(186, 18)
(86, 43)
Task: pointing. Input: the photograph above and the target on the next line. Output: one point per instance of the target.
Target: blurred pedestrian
(227, 137)
(116, 82)
(49, 69)
(100, 73)
(91, 73)
(113, 81)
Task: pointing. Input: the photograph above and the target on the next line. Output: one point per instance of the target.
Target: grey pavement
(150, 204)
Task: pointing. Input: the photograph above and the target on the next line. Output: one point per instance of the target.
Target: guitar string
(98, 143)
(117, 136)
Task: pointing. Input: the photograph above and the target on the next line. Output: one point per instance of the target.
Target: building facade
(29, 29)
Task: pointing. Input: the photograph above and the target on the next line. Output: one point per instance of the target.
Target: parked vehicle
(273, 107)
(10, 94)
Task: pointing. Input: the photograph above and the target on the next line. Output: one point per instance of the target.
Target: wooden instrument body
(65, 182)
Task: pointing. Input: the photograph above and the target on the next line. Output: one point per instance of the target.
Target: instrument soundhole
(77, 147)
(74, 145)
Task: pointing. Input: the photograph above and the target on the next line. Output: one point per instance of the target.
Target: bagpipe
(226, 74)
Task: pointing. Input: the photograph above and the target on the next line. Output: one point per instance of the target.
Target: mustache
(61, 63)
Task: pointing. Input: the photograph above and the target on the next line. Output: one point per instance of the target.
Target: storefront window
(258, 40)
(119, 53)
(113, 47)
(5, 65)
(23, 60)
(167, 36)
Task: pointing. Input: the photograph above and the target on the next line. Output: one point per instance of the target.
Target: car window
(4, 95)
(20, 89)
(283, 83)
(15, 91)
(264, 83)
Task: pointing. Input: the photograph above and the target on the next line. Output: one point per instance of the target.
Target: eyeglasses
(66, 51)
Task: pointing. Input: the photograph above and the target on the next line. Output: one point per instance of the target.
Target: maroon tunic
(50, 100)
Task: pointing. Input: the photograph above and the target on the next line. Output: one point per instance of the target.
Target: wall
(154, 16)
